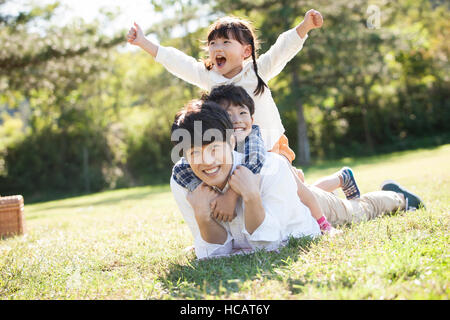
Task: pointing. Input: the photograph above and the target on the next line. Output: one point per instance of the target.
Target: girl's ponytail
(261, 84)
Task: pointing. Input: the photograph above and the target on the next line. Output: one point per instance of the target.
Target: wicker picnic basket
(11, 216)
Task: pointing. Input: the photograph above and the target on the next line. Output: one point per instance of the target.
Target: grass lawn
(128, 244)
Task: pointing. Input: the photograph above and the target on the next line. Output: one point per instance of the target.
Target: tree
(45, 69)
(347, 73)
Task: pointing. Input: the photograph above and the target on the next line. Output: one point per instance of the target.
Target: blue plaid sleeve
(254, 151)
(182, 173)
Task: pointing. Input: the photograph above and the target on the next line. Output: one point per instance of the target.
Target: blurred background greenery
(79, 114)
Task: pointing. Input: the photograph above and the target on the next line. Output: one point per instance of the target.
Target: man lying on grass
(268, 210)
(241, 107)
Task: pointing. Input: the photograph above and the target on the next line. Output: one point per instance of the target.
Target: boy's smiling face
(242, 121)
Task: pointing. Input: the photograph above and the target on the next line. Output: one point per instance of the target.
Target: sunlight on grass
(129, 244)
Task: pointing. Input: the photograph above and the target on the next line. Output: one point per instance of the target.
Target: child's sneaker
(413, 202)
(349, 186)
(327, 228)
(189, 249)
(333, 232)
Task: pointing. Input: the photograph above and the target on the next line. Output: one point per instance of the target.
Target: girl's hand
(136, 35)
(313, 19)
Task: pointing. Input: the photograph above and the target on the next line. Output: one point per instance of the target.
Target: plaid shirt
(254, 152)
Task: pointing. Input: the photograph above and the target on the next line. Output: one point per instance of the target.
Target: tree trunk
(365, 116)
(86, 178)
(303, 152)
(367, 134)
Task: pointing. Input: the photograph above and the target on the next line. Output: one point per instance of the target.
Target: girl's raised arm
(184, 67)
(176, 62)
(288, 44)
(136, 37)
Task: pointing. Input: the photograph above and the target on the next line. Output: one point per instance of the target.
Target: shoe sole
(352, 177)
(403, 190)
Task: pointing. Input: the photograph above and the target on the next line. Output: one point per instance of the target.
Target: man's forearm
(254, 212)
(232, 196)
(210, 230)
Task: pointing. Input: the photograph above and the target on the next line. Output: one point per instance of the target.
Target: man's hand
(136, 35)
(201, 198)
(224, 206)
(245, 183)
(210, 230)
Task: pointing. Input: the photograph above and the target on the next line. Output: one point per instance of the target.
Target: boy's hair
(228, 94)
(197, 117)
(242, 31)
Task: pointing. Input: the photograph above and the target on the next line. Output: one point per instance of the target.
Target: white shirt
(285, 215)
(269, 64)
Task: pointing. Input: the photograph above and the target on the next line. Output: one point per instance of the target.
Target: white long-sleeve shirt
(285, 214)
(269, 64)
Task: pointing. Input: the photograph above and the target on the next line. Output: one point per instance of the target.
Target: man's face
(211, 163)
(242, 121)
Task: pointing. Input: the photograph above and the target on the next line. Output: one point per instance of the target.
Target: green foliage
(359, 90)
(385, 85)
(62, 160)
(149, 148)
(46, 78)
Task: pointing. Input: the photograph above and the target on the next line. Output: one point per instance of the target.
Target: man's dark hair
(197, 117)
(226, 95)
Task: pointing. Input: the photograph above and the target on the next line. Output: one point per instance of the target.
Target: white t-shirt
(269, 64)
(285, 215)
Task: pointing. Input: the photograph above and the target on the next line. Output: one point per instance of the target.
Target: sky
(129, 11)
(139, 10)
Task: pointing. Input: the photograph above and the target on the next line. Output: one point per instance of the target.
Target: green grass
(128, 244)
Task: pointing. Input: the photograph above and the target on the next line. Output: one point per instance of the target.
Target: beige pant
(368, 206)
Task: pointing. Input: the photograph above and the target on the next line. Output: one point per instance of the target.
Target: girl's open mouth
(220, 61)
